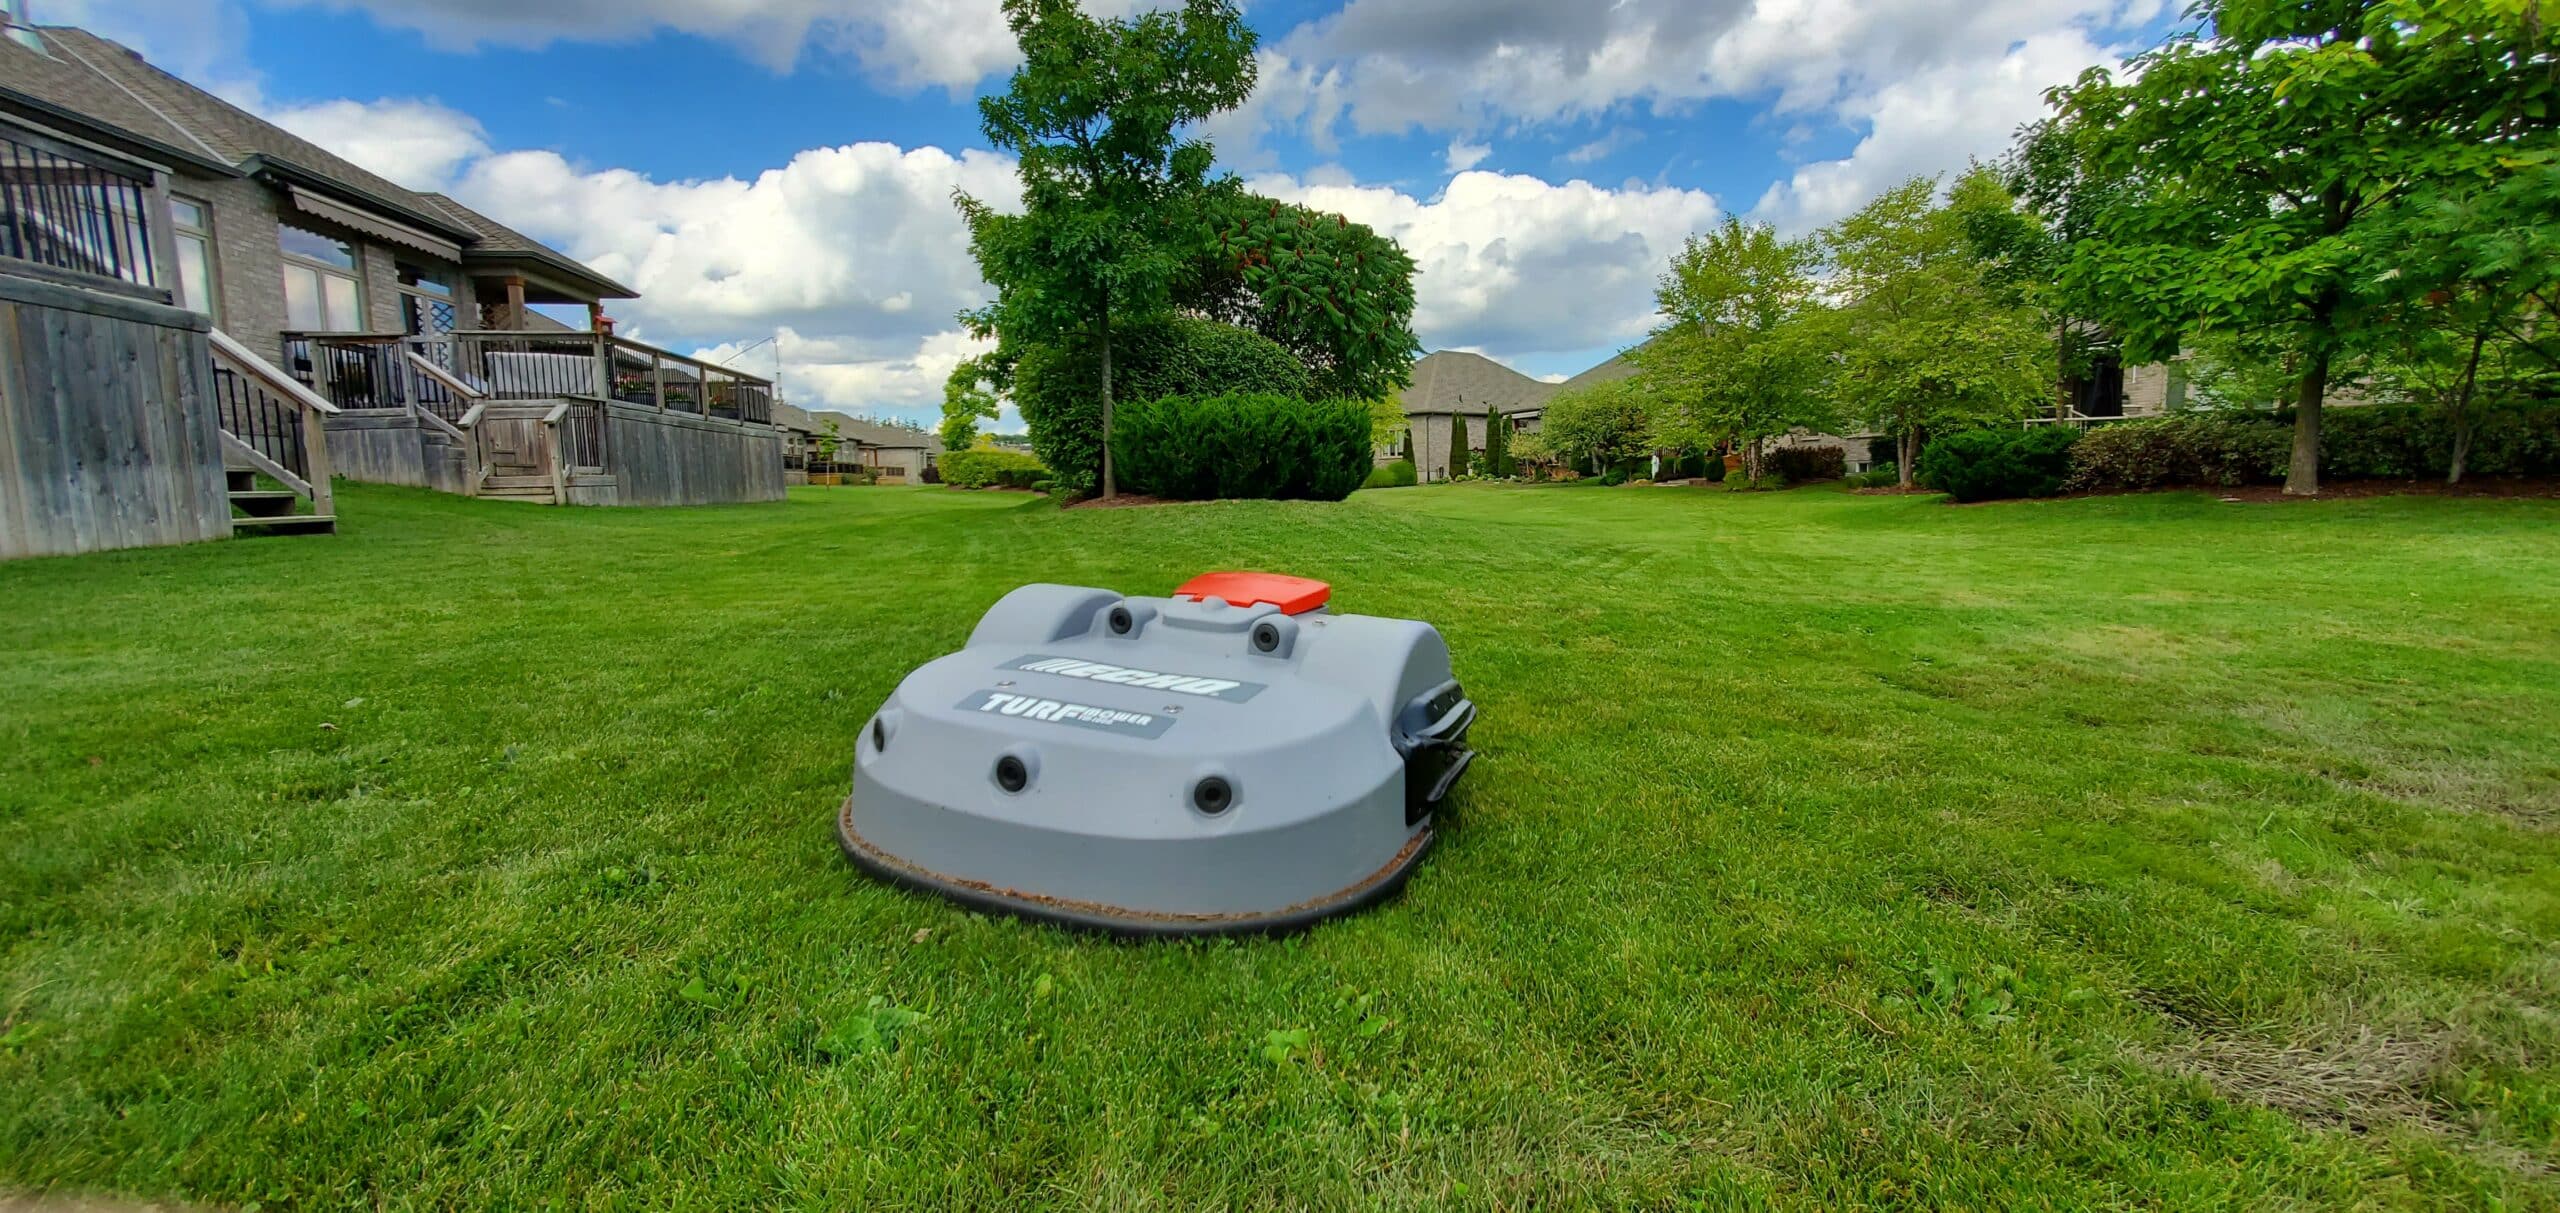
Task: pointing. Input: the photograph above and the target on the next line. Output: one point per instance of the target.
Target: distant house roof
(1454, 381)
(1616, 368)
(874, 434)
(793, 417)
(102, 88)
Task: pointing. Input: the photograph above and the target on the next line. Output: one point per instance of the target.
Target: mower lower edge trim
(1123, 923)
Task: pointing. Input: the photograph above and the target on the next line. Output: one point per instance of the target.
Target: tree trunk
(2462, 410)
(2302, 479)
(1906, 447)
(1751, 462)
(1110, 484)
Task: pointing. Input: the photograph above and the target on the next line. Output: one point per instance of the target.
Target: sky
(782, 170)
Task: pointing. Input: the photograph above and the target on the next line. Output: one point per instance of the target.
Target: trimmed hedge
(1980, 465)
(1242, 445)
(978, 469)
(2209, 448)
(1799, 464)
(1398, 474)
(1059, 390)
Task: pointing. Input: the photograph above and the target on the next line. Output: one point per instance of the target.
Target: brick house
(407, 315)
(269, 234)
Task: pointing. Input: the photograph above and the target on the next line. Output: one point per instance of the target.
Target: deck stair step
(264, 503)
(542, 482)
(286, 524)
(242, 479)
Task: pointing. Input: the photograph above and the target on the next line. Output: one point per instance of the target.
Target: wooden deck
(555, 418)
(107, 429)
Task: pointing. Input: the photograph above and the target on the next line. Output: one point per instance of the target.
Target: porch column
(515, 303)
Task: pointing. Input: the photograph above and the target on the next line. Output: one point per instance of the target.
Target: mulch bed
(1123, 501)
(2335, 490)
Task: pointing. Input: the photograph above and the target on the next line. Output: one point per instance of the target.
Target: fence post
(658, 379)
(315, 460)
(604, 367)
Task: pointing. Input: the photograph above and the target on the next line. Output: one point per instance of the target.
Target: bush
(2211, 448)
(2399, 442)
(1712, 468)
(1399, 474)
(978, 469)
(1059, 389)
(1881, 476)
(1984, 465)
(1242, 445)
(1797, 464)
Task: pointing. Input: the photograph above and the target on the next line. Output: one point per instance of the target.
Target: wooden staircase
(271, 426)
(257, 511)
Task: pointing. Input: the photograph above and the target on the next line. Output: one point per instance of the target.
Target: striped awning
(371, 224)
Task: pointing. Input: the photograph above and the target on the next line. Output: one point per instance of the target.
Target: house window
(426, 305)
(191, 223)
(321, 290)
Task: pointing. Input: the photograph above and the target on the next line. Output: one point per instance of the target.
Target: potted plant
(829, 439)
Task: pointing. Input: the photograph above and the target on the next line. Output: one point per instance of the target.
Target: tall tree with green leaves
(969, 396)
(1929, 344)
(1113, 196)
(1497, 446)
(2479, 271)
(2273, 144)
(1742, 355)
(1599, 425)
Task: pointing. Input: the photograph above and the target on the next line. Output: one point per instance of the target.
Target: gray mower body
(1162, 765)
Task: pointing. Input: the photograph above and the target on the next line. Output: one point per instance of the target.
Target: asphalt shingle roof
(105, 84)
(1454, 381)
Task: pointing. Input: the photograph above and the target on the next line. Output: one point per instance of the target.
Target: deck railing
(271, 421)
(542, 366)
(66, 208)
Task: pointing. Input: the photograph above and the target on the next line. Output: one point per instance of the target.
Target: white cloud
(1931, 123)
(419, 144)
(855, 254)
(1624, 136)
(1514, 265)
(1464, 155)
(1465, 64)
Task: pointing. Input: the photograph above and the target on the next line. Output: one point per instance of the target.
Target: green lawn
(1824, 850)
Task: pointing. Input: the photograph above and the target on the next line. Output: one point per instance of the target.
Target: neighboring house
(1451, 389)
(1446, 402)
(408, 313)
(891, 451)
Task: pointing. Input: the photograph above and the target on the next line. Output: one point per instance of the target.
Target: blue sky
(785, 166)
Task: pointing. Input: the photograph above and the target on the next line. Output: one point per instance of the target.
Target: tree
(2484, 264)
(1386, 420)
(1408, 441)
(830, 440)
(1741, 355)
(1333, 292)
(1497, 447)
(1528, 449)
(969, 396)
(1600, 424)
(1929, 346)
(1112, 197)
(2272, 146)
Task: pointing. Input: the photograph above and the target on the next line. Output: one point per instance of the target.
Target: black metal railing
(582, 436)
(268, 423)
(373, 371)
(70, 210)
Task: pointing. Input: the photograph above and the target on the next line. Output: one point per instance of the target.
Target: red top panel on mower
(1293, 595)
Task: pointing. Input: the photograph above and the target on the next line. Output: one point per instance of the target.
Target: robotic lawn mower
(1230, 759)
